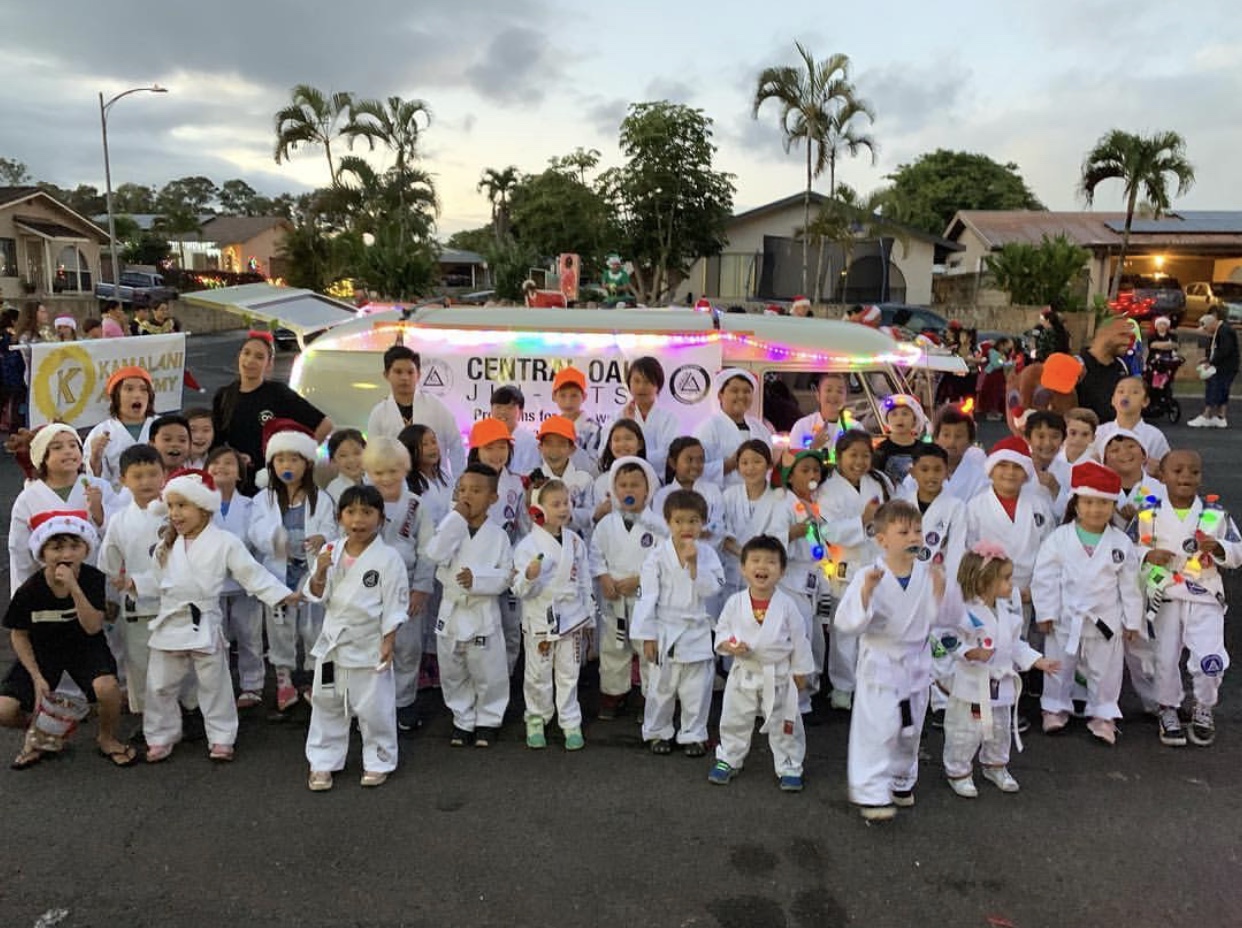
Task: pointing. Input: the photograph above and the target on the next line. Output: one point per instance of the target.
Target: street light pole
(104, 106)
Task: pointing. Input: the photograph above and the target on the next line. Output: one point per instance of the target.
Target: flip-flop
(125, 757)
(26, 759)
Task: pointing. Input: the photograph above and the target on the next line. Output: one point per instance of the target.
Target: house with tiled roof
(45, 247)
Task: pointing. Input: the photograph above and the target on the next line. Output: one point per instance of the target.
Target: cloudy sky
(519, 81)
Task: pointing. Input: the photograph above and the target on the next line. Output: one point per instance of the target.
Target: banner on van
(68, 379)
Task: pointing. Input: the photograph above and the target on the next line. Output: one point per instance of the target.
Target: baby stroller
(1159, 374)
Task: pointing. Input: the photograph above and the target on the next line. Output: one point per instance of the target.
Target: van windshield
(788, 396)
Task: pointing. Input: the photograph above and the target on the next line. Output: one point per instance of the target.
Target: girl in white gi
(556, 439)
(645, 380)
(127, 553)
(625, 439)
(345, 447)
(362, 583)
(292, 519)
(684, 471)
(987, 652)
(679, 578)
(243, 619)
(723, 431)
(427, 478)
(491, 444)
(406, 529)
(752, 507)
(892, 606)
(193, 561)
(1086, 595)
(131, 407)
(619, 546)
(202, 436)
(820, 430)
(1193, 540)
(60, 483)
(554, 586)
(765, 634)
(474, 566)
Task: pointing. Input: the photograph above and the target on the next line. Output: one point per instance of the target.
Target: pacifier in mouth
(914, 549)
(629, 501)
(813, 485)
(286, 476)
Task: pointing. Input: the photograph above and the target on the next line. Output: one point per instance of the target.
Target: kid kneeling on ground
(764, 632)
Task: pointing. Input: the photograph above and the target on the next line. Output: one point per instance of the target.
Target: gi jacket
(944, 530)
(128, 546)
(235, 522)
(721, 437)
(986, 520)
(559, 600)
(991, 681)
(363, 603)
(119, 439)
(672, 607)
(267, 524)
(620, 550)
(189, 586)
(474, 613)
(407, 530)
(39, 497)
(1171, 533)
(385, 419)
(744, 518)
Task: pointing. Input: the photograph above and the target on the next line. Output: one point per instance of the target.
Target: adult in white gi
(730, 425)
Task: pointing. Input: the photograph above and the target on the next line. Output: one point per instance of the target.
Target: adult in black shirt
(240, 410)
(1103, 367)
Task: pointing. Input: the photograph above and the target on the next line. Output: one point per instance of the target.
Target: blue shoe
(535, 737)
(721, 774)
(574, 740)
(791, 783)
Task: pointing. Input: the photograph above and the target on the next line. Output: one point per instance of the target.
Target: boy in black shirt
(904, 422)
(56, 626)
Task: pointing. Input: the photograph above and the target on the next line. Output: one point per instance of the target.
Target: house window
(8, 257)
(73, 273)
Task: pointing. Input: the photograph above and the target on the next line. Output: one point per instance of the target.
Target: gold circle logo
(64, 384)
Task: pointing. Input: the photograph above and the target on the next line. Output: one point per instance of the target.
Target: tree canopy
(1048, 274)
(927, 192)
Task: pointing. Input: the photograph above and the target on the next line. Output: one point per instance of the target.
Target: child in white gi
(645, 380)
(683, 470)
(556, 451)
(765, 634)
(1086, 594)
(752, 507)
(554, 586)
(1079, 445)
(569, 388)
(1188, 540)
(292, 519)
(127, 552)
(625, 439)
(1129, 400)
(1045, 434)
(987, 652)
(672, 621)
(820, 430)
(474, 566)
(724, 430)
(131, 409)
(193, 560)
(892, 606)
(362, 582)
(345, 447)
(202, 436)
(243, 619)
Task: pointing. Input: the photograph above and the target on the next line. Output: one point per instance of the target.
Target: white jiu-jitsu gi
(243, 617)
(119, 440)
(127, 553)
(744, 518)
(1033, 521)
(721, 437)
(428, 410)
(406, 530)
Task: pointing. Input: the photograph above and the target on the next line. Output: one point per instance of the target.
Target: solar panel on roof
(1185, 222)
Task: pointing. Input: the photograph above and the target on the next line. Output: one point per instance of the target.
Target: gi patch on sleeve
(1039, 520)
(1212, 665)
(370, 579)
(1119, 556)
(1190, 546)
(647, 540)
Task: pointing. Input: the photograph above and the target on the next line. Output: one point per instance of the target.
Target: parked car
(1222, 295)
(1144, 297)
(137, 288)
(914, 319)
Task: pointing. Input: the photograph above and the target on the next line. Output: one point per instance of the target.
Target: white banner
(67, 379)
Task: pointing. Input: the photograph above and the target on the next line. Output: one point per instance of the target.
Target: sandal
(249, 699)
(124, 756)
(26, 759)
(222, 753)
(156, 753)
(661, 746)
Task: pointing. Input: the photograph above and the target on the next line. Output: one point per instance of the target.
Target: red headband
(261, 336)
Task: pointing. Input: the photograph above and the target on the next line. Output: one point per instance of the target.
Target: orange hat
(124, 373)
(569, 377)
(557, 425)
(1061, 372)
(488, 430)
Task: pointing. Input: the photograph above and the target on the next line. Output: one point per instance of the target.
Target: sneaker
(721, 773)
(1217, 422)
(903, 798)
(1055, 722)
(1202, 728)
(535, 738)
(483, 737)
(574, 740)
(248, 699)
(460, 738)
(1001, 778)
(791, 783)
(964, 786)
(878, 813)
(193, 728)
(1171, 732)
(841, 700)
(407, 719)
(372, 779)
(319, 781)
(1200, 422)
(1103, 729)
(695, 749)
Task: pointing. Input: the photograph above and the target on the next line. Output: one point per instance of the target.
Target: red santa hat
(194, 486)
(286, 435)
(47, 525)
(702, 305)
(1012, 449)
(800, 302)
(870, 315)
(43, 437)
(1090, 478)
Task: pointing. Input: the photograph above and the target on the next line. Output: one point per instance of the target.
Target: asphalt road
(1138, 835)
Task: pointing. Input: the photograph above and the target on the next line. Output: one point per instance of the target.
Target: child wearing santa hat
(1087, 600)
(292, 519)
(131, 408)
(193, 560)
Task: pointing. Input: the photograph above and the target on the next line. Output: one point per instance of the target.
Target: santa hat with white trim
(1091, 478)
(47, 525)
(43, 437)
(194, 486)
(1014, 450)
(799, 302)
(285, 435)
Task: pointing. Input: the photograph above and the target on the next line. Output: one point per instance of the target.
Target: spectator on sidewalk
(1218, 369)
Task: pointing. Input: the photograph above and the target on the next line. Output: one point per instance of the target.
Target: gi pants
(842, 656)
(550, 682)
(815, 630)
(166, 671)
(883, 751)
(672, 682)
(1140, 663)
(511, 628)
(616, 650)
(407, 659)
(743, 702)
(243, 624)
(966, 734)
(1101, 663)
(1200, 629)
(474, 680)
(286, 626)
(137, 637)
(362, 693)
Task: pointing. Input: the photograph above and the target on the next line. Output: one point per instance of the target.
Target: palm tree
(312, 118)
(845, 138)
(395, 123)
(1138, 162)
(810, 97)
(496, 186)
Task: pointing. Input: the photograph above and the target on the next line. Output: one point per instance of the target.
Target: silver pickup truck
(137, 288)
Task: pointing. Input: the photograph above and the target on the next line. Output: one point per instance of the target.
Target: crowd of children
(887, 577)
